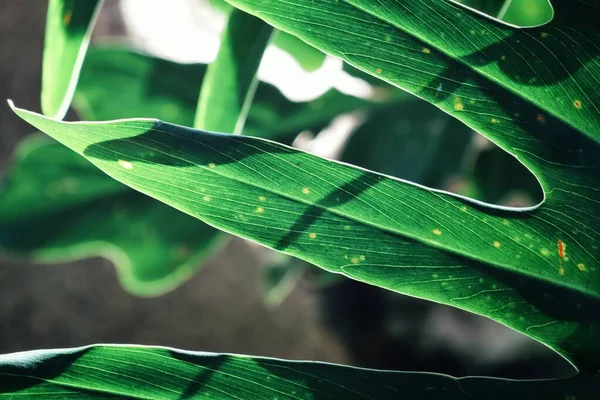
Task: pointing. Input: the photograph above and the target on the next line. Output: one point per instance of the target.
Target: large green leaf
(68, 28)
(471, 67)
(230, 82)
(133, 372)
(358, 223)
(154, 247)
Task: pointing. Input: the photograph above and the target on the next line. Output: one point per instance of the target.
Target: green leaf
(553, 66)
(471, 67)
(109, 372)
(367, 226)
(230, 82)
(520, 13)
(69, 25)
(153, 87)
(154, 247)
(309, 58)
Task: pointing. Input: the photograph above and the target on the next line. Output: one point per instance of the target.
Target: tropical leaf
(230, 82)
(351, 221)
(109, 372)
(471, 67)
(160, 248)
(68, 28)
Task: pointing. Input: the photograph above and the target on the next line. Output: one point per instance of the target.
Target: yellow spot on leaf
(312, 235)
(125, 164)
(67, 18)
(494, 121)
(463, 209)
(361, 258)
(379, 70)
(211, 165)
(262, 198)
(561, 270)
(545, 252)
(497, 244)
(459, 107)
(260, 210)
(503, 58)
(206, 198)
(437, 232)
(426, 50)
(577, 104)
(504, 222)
(544, 34)
(354, 260)
(305, 191)
(581, 267)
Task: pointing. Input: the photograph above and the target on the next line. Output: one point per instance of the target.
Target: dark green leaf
(471, 67)
(110, 372)
(359, 223)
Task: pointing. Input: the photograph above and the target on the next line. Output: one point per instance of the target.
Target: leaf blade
(69, 26)
(230, 182)
(108, 371)
(230, 82)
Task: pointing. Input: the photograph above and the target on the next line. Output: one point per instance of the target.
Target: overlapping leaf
(154, 247)
(346, 220)
(68, 28)
(535, 270)
(470, 67)
(109, 372)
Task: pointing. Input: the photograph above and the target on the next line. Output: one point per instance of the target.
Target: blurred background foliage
(147, 59)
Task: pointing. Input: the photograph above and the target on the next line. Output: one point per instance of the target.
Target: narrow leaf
(153, 247)
(136, 372)
(69, 25)
(359, 223)
(230, 81)
(472, 68)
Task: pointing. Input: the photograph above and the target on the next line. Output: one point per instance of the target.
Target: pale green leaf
(68, 28)
(230, 82)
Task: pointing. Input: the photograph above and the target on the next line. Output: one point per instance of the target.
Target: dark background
(222, 309)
